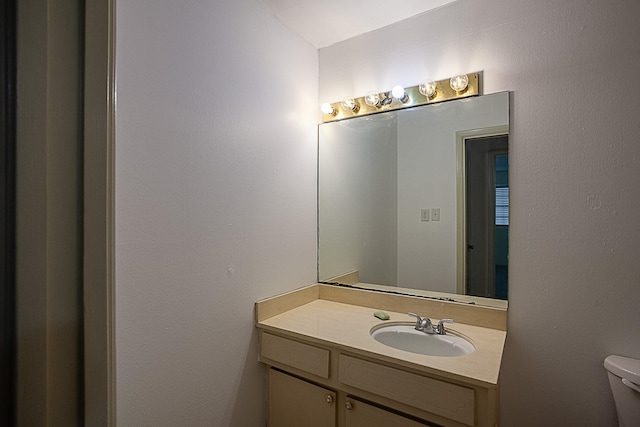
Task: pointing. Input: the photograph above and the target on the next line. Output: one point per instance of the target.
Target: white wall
(575, 164)
(357, 187)
(215, 202)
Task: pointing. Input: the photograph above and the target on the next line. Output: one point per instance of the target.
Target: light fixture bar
(444, 92)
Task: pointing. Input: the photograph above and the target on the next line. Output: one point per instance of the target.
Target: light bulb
(350, 104)
(427, 88)
(399, 93)
(372, 99)
(459, 83)
(328, 109)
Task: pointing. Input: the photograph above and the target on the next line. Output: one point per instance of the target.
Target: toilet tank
(624, 378)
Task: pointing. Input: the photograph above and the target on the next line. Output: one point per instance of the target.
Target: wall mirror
(417, 200)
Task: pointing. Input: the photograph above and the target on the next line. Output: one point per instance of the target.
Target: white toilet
(624, 378)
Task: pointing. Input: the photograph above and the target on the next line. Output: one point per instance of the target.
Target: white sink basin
(407, 338)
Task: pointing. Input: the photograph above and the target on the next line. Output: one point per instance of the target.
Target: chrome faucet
(440, 328)
(424, 324)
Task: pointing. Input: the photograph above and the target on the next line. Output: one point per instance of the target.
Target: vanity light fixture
(427, 92)
(350, 104)
(459, 82)
(400, 94)
(427, 88)
(372, 99)
(328, 109)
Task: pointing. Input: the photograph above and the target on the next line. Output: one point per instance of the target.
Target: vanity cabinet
(362, 414)
(316, 385)
(325, 368)
(294, 402)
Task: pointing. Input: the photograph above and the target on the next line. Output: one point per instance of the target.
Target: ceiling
(325, 22)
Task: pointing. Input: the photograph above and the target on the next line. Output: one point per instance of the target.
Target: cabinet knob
(329, 398)
(348, 405)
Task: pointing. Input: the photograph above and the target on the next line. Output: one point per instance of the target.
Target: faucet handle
(421, 322)
(440, 328)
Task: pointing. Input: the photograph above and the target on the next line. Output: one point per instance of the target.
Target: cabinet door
(360, 414)
(295, 403)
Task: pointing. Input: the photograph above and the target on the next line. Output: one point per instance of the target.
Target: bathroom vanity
(324, 365)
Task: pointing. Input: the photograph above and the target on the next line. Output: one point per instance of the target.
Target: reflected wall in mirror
(417, 198)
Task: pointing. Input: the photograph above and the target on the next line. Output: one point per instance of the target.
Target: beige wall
(575, 165)
(49, 213)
